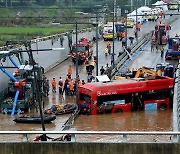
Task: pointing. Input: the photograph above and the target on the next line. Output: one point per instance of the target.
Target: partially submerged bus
(126, 95)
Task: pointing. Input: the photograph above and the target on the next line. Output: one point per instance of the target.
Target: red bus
(126, 95)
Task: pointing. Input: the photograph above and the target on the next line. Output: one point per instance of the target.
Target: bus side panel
(157, 104)
(122, 107)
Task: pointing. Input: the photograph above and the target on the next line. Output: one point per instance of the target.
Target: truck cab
(84, 50)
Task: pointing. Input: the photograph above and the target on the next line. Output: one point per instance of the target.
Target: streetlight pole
(126, 12)
(77, 59)
(113, 33)
(96, 44)
(136, 23)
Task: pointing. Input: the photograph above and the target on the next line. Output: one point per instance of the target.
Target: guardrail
(119, 62)
(176, 102)
(122, 135)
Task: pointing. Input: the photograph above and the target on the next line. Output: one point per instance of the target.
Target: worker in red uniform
(53, 85)
(60, 86)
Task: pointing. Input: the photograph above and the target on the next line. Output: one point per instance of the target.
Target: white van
(108, 31)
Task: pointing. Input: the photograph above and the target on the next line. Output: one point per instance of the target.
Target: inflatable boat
(61, 109)
(34, 119)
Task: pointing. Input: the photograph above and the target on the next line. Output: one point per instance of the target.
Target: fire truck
(84, 50)
(161, 34)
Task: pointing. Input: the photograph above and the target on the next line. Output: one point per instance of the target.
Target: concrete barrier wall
(89, 148)
(46, 59)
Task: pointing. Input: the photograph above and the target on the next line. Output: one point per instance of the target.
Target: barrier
(123, 136)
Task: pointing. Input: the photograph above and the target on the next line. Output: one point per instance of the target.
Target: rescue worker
(138, 26)
(61, 40)
(69, 35)
(60, 86)
(83, 82)
(53, 85)
(66, 87)
(102, 70)
(152, 46)
(162, 51)
(157, 46)
(87, 64)
(67, 137)
(109, 49)
(79, 83)
(42, 138)
(46, 87)
(71, 87)
(124, 42)
(94, 57)
(70, 70)
(160, 20)
(112, 59)
(123, 35)
(131, 40)
(106, 51)
(108, 44)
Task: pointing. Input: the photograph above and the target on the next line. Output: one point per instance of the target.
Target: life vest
(53, 83)
(70, 70)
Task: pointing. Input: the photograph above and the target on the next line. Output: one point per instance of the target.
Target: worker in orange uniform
(71, 87)
(70, 70)
(160, 20)
(108, 44)
(123, 35)
(138, 26)
(53, 85)
(79, 83)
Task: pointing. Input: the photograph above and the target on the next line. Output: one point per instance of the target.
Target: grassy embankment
(25, 33)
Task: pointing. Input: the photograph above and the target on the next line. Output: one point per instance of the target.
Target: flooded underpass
(126, 121)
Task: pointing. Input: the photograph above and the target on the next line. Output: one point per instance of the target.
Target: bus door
(137, 102)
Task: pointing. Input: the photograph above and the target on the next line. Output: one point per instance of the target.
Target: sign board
(103, 78)
(151, 107)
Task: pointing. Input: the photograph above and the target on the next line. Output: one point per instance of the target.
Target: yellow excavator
(147, 72)
(143, 72)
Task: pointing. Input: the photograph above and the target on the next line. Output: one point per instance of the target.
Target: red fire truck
(126, 95)
(161, 34)
(84, 50)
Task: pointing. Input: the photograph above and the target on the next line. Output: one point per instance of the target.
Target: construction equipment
(147, 72)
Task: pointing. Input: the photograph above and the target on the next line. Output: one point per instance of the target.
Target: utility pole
(77, 59)
(113, 33)
(6, 3)
(136, 23)
(96, 44)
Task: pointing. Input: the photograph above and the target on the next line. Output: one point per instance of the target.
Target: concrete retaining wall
(46, 59)
(89, 148)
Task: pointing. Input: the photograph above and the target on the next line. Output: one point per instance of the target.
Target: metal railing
(123, 136)
(176, 102)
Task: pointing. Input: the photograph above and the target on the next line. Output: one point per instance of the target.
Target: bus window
(155, 95)
(84, 97)
(116, 99)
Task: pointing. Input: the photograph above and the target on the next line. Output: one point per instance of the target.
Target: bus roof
(130, 85)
